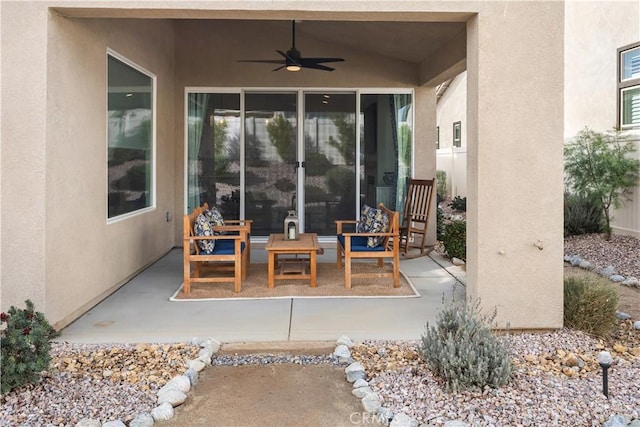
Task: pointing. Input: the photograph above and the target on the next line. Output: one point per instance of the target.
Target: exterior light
(605, 361)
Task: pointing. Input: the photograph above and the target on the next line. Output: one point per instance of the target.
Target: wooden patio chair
(415, 218)
(230, 253)
(353, 246)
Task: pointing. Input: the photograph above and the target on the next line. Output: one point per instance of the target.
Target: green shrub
(590, 303)
(455, 239)
(285, 185)
(316, 164)
(441, 183)
(440, 223)
(463, 351)
(602, 165)
(582, 215)
(24, 346)
(459, 203)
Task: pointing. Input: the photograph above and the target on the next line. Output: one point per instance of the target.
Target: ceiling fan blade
(279, 68)
(316, 66)
(263, 61)
(321, 60)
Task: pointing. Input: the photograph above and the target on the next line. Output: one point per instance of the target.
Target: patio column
(515, 162)
(23, 171)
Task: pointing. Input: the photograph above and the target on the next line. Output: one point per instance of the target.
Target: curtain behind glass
(401, 111)
(197, 110)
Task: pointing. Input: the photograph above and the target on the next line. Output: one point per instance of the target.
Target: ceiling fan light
(293, 67)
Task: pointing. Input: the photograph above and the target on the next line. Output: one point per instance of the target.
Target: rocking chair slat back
(415, 219)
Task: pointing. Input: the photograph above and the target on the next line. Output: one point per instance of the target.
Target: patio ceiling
(436, 42)
(407, 41)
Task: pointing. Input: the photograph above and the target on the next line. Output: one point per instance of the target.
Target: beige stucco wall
(23, 169)
(594, 30)
(77, 257)
(58, 248)
(515, 165)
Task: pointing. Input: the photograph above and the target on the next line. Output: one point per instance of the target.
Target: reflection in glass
(130, 138)
(270, 156)
(386, 126)
(213, 168)
(330, 181)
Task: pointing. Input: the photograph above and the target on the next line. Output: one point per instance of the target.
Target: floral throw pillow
(373, 220)
(214, 217)
(364, 225)
(202, 227)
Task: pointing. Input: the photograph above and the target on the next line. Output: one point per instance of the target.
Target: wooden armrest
(216, 237)
(369, 234)
(238, 221)
(231, 228)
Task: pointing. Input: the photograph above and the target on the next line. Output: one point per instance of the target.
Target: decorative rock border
(172, 394)
(609, 272)
(371, 401)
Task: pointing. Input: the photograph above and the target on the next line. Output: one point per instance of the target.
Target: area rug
(329, 284)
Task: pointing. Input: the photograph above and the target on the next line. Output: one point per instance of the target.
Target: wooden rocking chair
(415, 218)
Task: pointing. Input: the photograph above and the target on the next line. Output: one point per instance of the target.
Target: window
(457, 134)
(437, 137)
(130, 137)
(629, 86)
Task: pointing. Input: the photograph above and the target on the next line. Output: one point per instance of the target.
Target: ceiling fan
(293, 60)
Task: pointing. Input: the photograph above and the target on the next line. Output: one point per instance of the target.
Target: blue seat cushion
(225, 247)
(359, 244)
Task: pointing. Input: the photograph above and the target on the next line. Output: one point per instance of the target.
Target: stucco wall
(594, 30)
(74, 257)
(23, 117)
(515, 70)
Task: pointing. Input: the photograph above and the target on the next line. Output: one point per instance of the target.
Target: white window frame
(626, 84)
(457, 140)
(154, 91)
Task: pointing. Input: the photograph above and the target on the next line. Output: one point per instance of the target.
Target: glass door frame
(300, 176)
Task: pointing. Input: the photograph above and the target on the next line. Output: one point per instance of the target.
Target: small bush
(590, 303)
(459, 203)
(441, 183)
(440, 223)
(582, 215)
(463, 351)
(25, 347)
(455, 239)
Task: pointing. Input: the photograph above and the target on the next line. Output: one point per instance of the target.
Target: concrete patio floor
(140, 311)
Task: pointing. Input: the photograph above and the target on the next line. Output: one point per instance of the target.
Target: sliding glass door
(329, 160)
(271, 140)
(259, 154)
(213, 152)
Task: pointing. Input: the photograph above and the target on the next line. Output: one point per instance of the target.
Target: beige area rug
(329, 284)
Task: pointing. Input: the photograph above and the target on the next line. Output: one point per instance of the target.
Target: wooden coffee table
(307, 244)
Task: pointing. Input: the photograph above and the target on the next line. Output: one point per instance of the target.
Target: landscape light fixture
(605, 360)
